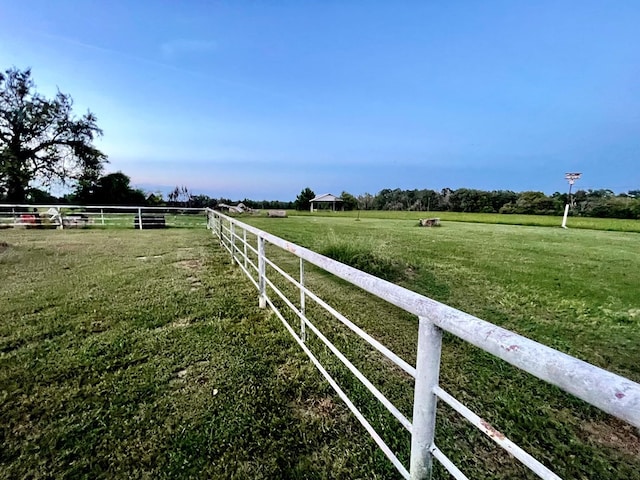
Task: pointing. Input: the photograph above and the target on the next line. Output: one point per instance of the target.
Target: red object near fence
(30, 219)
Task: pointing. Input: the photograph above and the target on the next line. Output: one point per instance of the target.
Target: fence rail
(98, 216)
(609, 392)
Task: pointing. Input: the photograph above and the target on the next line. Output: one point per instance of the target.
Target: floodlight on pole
(571, 178)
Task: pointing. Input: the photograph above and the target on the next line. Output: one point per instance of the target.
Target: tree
(303, 201)
(445, 198)
(366, 201)
(87, 185)
(41, 139)
(602, 193)
(534, 203)
(37, 195)
(112, 189)
(180, 197)
(349, 202)
(155, 199)
(202, 201)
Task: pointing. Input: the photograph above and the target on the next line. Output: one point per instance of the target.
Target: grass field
(127, 354)
(574, 290)
(611, 224)
(143, 354)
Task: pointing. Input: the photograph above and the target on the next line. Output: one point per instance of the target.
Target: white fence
(102, 216)
(609, 392)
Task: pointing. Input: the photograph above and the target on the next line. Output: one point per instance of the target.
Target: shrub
(363, 259)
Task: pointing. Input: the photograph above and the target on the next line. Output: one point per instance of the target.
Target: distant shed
(326, 201)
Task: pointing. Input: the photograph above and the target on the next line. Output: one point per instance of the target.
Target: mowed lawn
(611, 224)
(128, 354)
(575, 290)
(134, 354)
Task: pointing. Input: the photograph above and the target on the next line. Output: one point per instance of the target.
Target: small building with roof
(326, 201)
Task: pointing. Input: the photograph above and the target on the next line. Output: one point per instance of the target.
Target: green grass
(574, 290)
(143, 354)
(127, 354)
(612, 224)
(552, 283)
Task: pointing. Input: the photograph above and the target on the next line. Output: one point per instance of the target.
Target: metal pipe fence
(98, 216)
(607, 391)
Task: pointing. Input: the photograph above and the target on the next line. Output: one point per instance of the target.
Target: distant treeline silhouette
(588, 203)
(115, 189)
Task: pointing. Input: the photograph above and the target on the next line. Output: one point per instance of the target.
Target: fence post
(102, 215)
(425, 400)
(564, 218)
(13, 213)
(232, 230)
(244, 243)
(140, 218)
(261, 273)
(303, 333)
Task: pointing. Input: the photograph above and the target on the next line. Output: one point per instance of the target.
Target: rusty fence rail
(607, 391)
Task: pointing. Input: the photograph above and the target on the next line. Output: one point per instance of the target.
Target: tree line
(115, 189)
(587, 203)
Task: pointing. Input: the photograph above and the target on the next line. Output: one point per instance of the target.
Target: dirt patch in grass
(98, 326)
(614, 434)
(192, 374)
(316, 408)
(3, 246)
(192, 264)
(195, 283)
(180, 323)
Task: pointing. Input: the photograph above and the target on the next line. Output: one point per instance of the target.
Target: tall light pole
(571, 178)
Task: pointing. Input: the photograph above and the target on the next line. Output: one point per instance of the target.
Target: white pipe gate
(609, 392)
(80, 216)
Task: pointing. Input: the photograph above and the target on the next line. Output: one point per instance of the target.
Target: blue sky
(261, 99)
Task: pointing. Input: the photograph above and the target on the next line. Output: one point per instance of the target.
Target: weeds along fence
(102, 216)
(289, 295)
